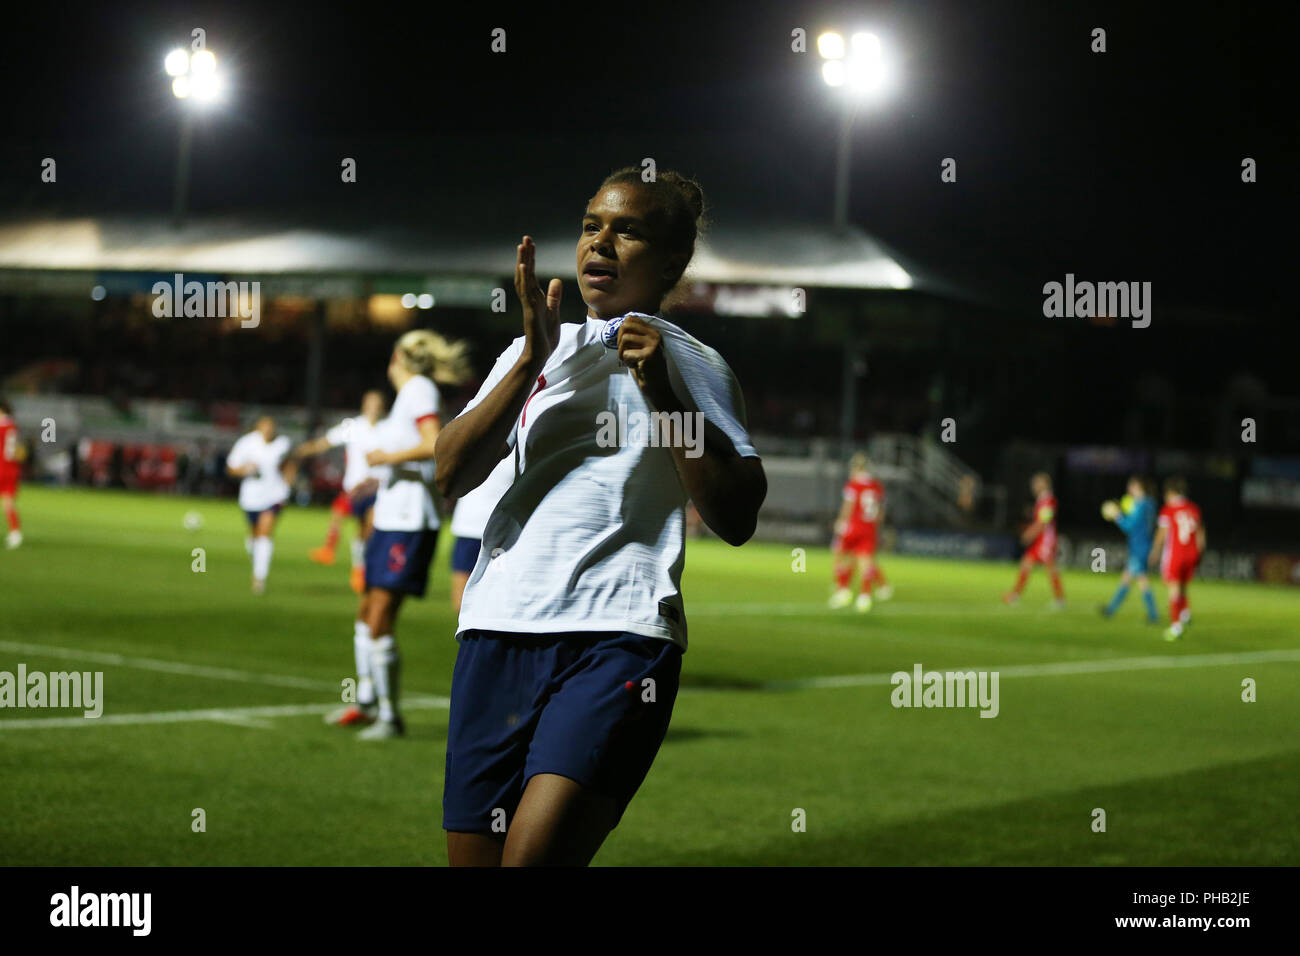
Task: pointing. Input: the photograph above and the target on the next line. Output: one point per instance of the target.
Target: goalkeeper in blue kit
(1136, 517)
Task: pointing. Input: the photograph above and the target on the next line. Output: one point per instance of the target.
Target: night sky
(1116, 166)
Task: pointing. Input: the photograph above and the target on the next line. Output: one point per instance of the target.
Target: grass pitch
(212, 701)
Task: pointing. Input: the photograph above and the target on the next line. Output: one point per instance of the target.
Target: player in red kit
(1040, 538)
(855, 530)
(1180, 542)
(10, 467)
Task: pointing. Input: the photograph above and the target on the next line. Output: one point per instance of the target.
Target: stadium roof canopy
(758, 253)
(451, 206)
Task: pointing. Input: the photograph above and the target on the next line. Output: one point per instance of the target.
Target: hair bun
(690, 190)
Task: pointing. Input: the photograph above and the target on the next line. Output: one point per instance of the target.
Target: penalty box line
(240, 716)
(167, 667)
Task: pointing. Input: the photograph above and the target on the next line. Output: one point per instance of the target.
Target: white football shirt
(357, 436)
(472, 510)
(266, 488)
(405, 501)
(590, 536)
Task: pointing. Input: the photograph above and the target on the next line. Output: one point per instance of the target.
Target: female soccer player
(11, 465)
(467, 524)
(1180, 542)
(1039, 540)
(360, 483)
(405, 535)
(572, 627)
(855, 534)
(258, 458)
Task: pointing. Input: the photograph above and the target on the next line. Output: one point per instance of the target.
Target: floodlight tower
(196, 83)
(858, 72)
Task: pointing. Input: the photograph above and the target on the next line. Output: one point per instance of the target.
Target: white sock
(384, 668)
(262, 548)
(358, 552)
(361, 642)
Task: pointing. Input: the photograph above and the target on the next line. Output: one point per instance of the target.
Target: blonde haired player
(401, 546)
(855, 536)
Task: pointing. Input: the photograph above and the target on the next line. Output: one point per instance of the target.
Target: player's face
(267, 427)
(394, 366)
(372, 406)
(1037, 485)
(623, 265)
(1135, 489)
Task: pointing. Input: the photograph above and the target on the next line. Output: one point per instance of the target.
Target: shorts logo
(397, 557)
(610, 333)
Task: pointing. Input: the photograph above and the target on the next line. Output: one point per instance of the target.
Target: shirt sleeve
(340, 433)
(424, 400)
(503, 365)
(238, 456)
(701, 377)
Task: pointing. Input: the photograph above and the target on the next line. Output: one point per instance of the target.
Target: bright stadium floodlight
(177, 63)
(831, 46)
(860, 72)
(195, 77)
(203, 62)
(196, 83)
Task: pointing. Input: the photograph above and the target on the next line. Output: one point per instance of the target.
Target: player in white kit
(405, 536)
(573, 625)
(360, 482)
(467, 524)
(259, 459)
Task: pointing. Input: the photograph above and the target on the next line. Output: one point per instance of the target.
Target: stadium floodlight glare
(860, 69)
(195, 77)
(177, 63)
(203, 63)
(409, 300)
(831, 46)
(425, 300)
(196, 83)
(206, 87)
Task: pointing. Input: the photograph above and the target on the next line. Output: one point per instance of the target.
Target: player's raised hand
(541, 309)
(640, 348)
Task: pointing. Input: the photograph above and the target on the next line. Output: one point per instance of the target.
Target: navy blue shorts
(361, 505)
(254, 515)
(570, 704)
(400, 560)
(464, 554)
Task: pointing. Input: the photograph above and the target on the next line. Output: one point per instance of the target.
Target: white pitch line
(169, 667)
(1057, 669)
(243, 716)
